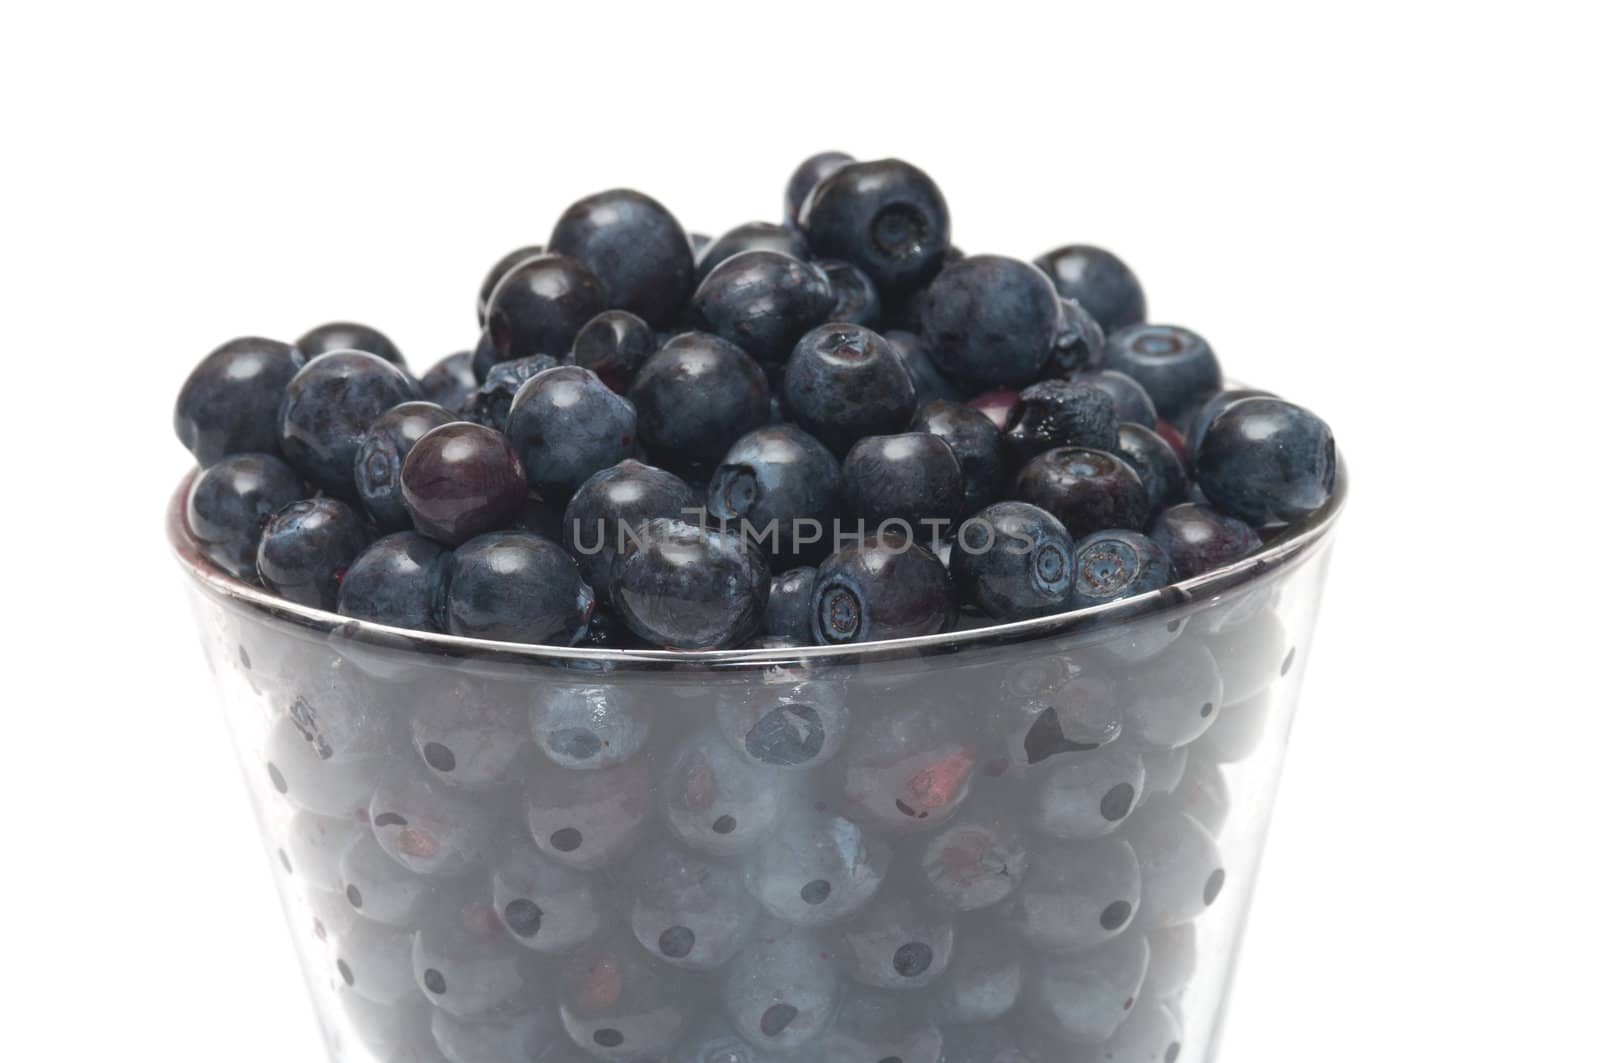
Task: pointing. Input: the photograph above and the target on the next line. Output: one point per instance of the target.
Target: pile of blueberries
(834, 430)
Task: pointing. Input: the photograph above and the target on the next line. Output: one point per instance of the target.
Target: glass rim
(1284, 551)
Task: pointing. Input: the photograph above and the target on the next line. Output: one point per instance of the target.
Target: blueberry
(611, 505)
(781, 991)
(305, 549)
(616, 1006)
(883, 587)
(373, 962)
(982, 983)
(1085, 998)
(378, 887)
(1014, 561)
(398, 580)
(1266, 460)
(910, 767)
(844, 382)
(1160, 469)
(715, 1041)
(314, 845)
(1203, 791)
(717, 802)
(1077, 895)
(1114, 564)
(888, 217)
(763, 301)
(1100, 282)
(1163, 771)
(855, 297)
(543, 905)
(1198, 539)
(450, 380)
(306, 780)
(490, 404)
(695, 396)
(788, 611)
(1087, 490)
(991, 320)
(913, 481)
(781, 487)
(328, 407)
(467, 732)
(1132, 402)
(539, 306)
(876, 1028)
(613, 345)
(817, 869)
(229, 403)
(381, 454)
(686, 910)
(751, 236)
(588, 819)
(1048, 707)
(927, 381)
(1171, 699)
(464, 964)
(498, 1039)
(1151, 1033)
(1174, 958)
(1079, 345)
(977, 445)
(497, 273)
(1086, 795)
(1175, 366)
(587, 726)
(1180, 867)
(430, 828)
(1200, 418)
(988, 1043)
(516, 587)
(789, 722)
(807, 176)
(637, 250)
(566, 425)
(1056, 413)
(1252, 654)
(348, 336)
(230, 504)
(461, 480)
(976, 862)
(688, 587)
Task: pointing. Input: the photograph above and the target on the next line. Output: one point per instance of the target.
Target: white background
(1385, 212)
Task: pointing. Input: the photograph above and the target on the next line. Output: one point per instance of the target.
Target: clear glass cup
(1038, 838)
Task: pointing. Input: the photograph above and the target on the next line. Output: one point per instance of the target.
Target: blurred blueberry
(888, 217)
(806, 177)
(539, 306)
(751, 236)
(773, 479)
(1077, 895)
(543, 905)
(497, 273)
(1171, 699)
(788, 611)
(1100, 282)
(844, 382)
(636, 249)
(983, 981)
(428, 827)
(685, 909)
(382, 453)
(976, 862)
(694, 397)
(1116, 563)
(588, 819)
(328, 407)
(618, 1006)
(610, 505)
(398, 580)
(378, 887)
(466, 966)
(913, 478)
(230, 503)
(229, 403)
(588, 726)
(348, 336)
(1180, 866)
(1058, 413)
(460, 480)
(781, 991)
(817, 869)
(517, 587)
(305, 549)
(1132, 402)
(991, 320)
(1088, 794)
(763, 301)
(718, 802)
(450, 380)
(1266, 460)
(613, 346)
(490, 404)
(1014, 561)
(1087, 490)
(855, 298)
(976, 442)
(1198, 539)
(882, 587)
(876, 1028)
(687, 587)
(1084, 998)
(1159, 468)
(566, 425)
(1174, 365)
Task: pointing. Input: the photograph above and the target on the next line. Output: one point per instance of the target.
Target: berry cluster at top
(833, 430)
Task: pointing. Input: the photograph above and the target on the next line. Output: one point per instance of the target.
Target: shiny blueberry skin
(460, 480)
(926, 380)
(305, 549)
(450, 380)
(694, 397)
(788, 611)
(490, 404)
(844, 382)
(1198, 539)
(687, 587)
(348, 336)
(383, 452)
(888, 217)
(1100, 282)
(229, 403)
(1201, 417)
(991, 320)
(517, 587)
(881, 587)
(1079, 344)
(612, 502)
(913, 477)
(613, 346)
(497, 273)
(1132, 402)
(1158, 465)
(807, 176)
(1059, 413)
(635, 247)
(774, 478)
(230, 503)
(855, 297)
(1266, 460)
(977, 445)
(1087, 490)
(1116, 563)
(399, 580)
(762, 301)
(566, 425)
(1014, 561)
(539, 306)
(1175, 366)
(751, 236)
(328, 407)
